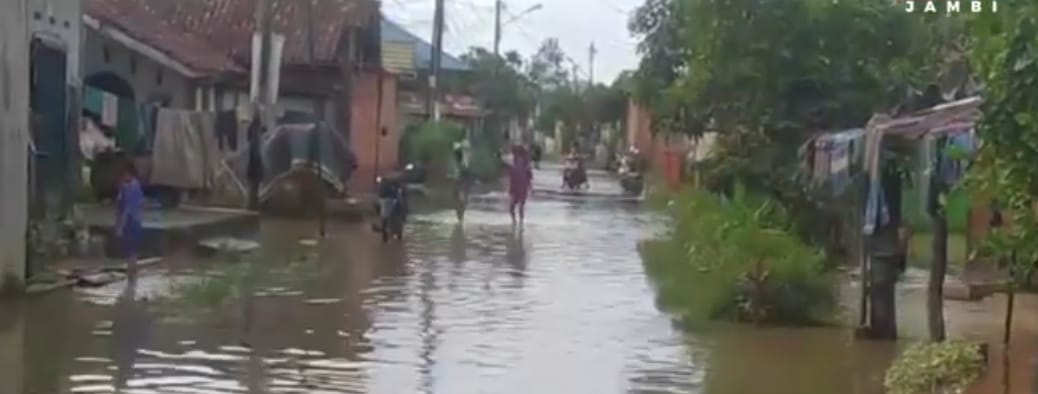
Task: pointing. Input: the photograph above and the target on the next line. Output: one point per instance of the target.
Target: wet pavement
(560, 307)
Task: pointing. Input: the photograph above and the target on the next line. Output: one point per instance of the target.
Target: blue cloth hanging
(93, 100)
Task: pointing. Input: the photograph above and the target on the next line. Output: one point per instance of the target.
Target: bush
(432, 144)
(737, 260)
(935, 368)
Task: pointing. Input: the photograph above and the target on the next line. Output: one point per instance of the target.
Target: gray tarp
(186, 154)
(287, 149)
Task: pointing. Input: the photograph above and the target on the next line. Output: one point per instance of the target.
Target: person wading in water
(520, 175)
(128, 220)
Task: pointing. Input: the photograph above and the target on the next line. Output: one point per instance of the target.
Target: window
(106, 53)
(158, 77)
(133, 64)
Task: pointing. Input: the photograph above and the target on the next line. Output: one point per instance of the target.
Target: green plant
(215, 287)
(1004, 54)
(935, 368)
(738, 260)
(433, 141)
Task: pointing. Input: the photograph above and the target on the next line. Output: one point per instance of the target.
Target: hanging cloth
(227, 130)
(93, 100)
(127, 129)
(146, 125)
(110, 110)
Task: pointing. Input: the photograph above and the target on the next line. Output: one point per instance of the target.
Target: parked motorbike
(413, 174)
(632, 180)
(574, 176)
(391, 207)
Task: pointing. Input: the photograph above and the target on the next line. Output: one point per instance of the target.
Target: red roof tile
(134, 18)
(227, 25)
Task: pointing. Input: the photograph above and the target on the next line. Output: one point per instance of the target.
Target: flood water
(560, 307)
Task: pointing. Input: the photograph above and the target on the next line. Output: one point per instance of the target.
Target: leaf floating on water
(308, 242)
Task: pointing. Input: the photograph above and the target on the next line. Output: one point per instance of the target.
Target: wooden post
(939, 245)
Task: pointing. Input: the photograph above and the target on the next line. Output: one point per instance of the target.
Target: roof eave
(118, 35)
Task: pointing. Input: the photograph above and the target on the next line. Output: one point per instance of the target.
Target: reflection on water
(560, 307)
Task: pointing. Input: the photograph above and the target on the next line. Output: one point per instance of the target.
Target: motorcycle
(574, 176)
(632, 180)
(391, 207)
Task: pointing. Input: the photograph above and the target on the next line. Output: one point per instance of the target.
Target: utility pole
(498, 5)
(591, 64)
(315, 136)
(433, 101)
(264, 21)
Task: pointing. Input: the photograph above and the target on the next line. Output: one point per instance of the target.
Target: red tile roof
(137, 20)
(227, 25)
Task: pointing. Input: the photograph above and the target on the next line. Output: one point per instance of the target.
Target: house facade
(55, 83)
(14, 142)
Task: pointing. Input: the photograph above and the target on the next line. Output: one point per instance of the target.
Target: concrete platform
(169, 229)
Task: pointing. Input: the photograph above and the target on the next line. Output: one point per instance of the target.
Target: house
(197, 54)
(14, 142)
(669, 153)
(56, 34)
(410, 57)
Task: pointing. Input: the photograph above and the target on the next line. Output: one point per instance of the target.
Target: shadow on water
(562, 306)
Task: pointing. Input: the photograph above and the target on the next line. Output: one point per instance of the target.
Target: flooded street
(561, 307)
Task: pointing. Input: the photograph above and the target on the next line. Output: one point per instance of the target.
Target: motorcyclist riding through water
(574, 175)
(392, 206)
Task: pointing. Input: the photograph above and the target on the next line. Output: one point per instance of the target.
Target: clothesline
(134, 123)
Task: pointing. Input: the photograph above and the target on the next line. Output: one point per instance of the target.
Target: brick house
(197, 55)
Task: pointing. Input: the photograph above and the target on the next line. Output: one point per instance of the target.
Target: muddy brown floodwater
(562, 307)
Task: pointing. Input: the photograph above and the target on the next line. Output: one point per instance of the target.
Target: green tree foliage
(766, 75)
(1004, 51)
(499, 83)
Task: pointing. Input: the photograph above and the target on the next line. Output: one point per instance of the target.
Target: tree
(547, 68)
(766, 75)
(1004, 53)
(498, 83)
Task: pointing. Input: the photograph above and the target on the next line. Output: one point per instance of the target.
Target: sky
(576, 23)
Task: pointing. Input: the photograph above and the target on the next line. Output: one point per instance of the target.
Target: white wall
(143, 78)
(61, 20)
(14, 131)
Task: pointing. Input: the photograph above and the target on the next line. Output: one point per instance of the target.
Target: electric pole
(591, 64)
(497, 27)
(315, 136)
(433, 100)
(264, 22)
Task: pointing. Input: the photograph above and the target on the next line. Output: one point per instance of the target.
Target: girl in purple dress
(520, 175)
(129, 206)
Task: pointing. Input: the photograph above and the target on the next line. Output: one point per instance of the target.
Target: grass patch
(935, 368)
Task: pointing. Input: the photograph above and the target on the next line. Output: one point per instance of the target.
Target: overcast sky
(576, 23)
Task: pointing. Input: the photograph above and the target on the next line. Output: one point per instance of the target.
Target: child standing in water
(520, 175)
(129, 204)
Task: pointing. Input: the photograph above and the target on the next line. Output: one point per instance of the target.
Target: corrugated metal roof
(392, 32)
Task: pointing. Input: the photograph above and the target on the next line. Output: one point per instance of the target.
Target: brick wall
(365, 130)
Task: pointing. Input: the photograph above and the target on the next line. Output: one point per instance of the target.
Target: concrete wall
(365, 131)
(14, 131)
(144, 77)
(62, 21)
